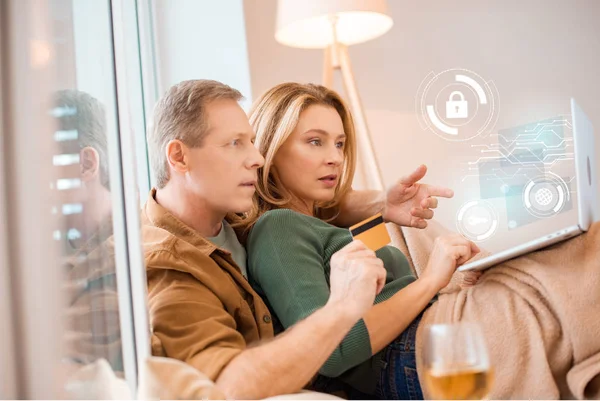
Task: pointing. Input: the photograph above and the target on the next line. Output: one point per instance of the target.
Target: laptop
(588, 202)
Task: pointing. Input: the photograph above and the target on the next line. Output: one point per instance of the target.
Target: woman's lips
(249, 184)
(329, 180)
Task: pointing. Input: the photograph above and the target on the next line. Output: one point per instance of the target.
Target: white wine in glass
(456, 360)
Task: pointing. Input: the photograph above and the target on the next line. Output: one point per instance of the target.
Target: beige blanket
(540, 314)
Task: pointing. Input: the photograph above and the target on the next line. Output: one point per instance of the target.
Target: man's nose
(256, 159)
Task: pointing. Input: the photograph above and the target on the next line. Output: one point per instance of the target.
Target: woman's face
(309, 163)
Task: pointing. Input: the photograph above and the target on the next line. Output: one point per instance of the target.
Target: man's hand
(357, 276)
(294, 357)
(410, 203)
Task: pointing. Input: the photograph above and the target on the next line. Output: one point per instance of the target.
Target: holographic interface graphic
(526, 166)
(457, 105)
(527, 169)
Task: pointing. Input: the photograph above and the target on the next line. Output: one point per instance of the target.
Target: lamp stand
(336, 57)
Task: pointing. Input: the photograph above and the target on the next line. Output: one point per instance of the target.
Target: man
(202, 309)
(86, 232)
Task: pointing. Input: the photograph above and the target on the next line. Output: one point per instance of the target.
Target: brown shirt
(92, 318)
(202, 310)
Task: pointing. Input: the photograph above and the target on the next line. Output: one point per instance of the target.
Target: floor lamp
(333, 25)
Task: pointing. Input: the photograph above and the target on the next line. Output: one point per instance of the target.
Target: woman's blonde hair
(274, 116)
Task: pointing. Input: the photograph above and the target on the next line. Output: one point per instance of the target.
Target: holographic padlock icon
(457, 108)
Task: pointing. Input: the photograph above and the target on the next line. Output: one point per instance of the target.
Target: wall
(202, 40)
(539, 53)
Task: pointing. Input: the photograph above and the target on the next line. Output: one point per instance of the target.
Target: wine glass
(456, 362)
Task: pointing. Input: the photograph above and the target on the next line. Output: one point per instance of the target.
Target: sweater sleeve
(285, 258)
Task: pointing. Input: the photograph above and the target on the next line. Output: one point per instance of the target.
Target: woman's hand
(410, 203)
(470, 278)
(449, 252)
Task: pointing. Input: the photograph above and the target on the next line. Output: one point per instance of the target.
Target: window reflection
(86, 232)
(83, 107)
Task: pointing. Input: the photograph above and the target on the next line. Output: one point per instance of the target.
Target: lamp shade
(307, 23)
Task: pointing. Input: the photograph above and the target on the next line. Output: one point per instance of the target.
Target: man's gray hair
(89, 120)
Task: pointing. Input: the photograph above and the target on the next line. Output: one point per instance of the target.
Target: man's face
(88, 203)
(223, 170)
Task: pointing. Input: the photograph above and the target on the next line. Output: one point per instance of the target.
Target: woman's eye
(316, 142)
(340, 145)
(235, 142)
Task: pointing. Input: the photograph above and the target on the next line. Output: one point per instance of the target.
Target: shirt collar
(160, 217)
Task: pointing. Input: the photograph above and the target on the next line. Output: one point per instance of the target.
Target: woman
(306, 134)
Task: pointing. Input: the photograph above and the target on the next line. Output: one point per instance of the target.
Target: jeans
(399, 379)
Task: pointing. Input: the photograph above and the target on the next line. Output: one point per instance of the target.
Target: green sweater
(288, 264)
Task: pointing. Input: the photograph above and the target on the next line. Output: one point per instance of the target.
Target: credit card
(371, 232)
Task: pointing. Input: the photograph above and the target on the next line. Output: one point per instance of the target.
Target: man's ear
(89, 160)
(176, 153)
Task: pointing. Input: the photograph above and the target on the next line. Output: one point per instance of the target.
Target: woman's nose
(335, 156)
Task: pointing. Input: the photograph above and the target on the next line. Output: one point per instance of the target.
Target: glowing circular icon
(543, 196)
(477, 220)
(457, 104)
(546, 195)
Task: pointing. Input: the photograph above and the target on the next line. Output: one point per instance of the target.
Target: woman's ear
(176, 153)
(89, 161)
